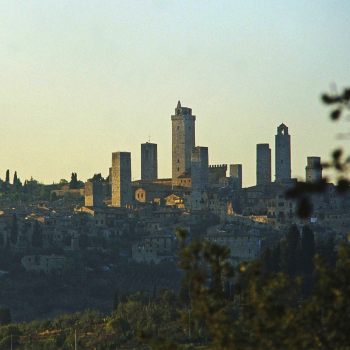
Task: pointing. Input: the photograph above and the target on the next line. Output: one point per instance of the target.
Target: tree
(307, 250)
(15, 178)
(7, 178)
(74, 183)
(289, 256)
(115, 301)
(14, 230)
(5, 316)
(96, 178)
(37, 236)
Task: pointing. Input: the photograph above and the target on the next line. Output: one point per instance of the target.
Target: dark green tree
(5, 316)
(37, 236)
(307, 250)
(275, 260)
(14, 230)
(74, 183)
(289, 256)
(115, 301)
(15, 178)
(7, 177)
(266, 259)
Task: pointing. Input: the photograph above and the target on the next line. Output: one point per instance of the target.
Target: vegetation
(273, 303)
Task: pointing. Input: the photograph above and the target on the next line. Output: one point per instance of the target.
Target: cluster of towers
(191, 163)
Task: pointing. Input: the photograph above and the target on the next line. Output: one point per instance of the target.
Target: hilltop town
(134, 222)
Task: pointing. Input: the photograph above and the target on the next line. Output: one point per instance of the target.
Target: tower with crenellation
(183, 140)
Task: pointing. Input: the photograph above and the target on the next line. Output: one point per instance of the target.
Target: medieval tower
(236, 175)
(282, 155)
(149, 168)
(121, 179)
(199, 175)
(313, 170)
(93, 194)
(183, 140)
(263, 164)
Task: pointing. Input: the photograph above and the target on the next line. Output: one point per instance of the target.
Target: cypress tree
(266, 259)
(15, 178)
(115, 301)
(7, 178)
(37, 236)
(307, 250)
(289, 256)
(14, 230)
(275, 260)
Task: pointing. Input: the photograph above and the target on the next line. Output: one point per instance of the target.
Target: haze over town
(81, 80)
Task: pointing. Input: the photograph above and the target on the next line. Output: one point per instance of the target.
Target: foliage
(74, 183)
(37, 235)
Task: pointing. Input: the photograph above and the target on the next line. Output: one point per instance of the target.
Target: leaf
(330, 99)
(336, 114)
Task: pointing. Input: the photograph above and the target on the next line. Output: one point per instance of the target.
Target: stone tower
(199, 175)
(183, 140)
(263, 164)
(121, 179)
(282, 155)
(93, 194)
(236, 175)
(149, 168)
(313, 170)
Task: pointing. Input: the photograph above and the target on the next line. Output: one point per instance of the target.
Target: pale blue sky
(82, 79)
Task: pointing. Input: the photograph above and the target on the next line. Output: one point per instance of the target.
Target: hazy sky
(82, 79)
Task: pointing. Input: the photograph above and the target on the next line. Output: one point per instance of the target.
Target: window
(178, 160)
(178, 128)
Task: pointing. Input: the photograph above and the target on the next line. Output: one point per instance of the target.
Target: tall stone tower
(199, 175)
(263, 164)
(183, 139)
(282, 155)
(121, 179)
(149, 168)
(93, 194)
(313, 170)
(236, 175)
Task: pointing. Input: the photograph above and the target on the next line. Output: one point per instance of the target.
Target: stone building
(282, 154)
(183, 139)
(217, 172)
(313, 170)
(199, 175)
(93, 194)
(149, 167)
(236, 175)
(263, 164)
(152, 249)
(121, 179)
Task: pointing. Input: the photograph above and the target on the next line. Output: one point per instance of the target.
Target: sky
(82, 79)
